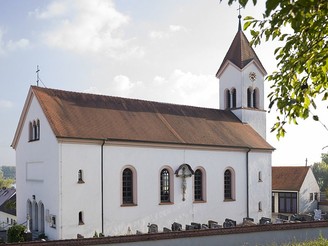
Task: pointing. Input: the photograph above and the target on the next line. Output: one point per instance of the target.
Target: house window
(287, 202)
(81, 222)
(311, 196)
(198, 185)
(260, 176)
(316, 196)
(80, 177)
(227, 185)
(127, 186)
(165, 186)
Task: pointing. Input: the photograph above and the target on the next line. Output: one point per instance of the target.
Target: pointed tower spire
(240, 52)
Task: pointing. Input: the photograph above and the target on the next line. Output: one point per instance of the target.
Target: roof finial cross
(37, 75)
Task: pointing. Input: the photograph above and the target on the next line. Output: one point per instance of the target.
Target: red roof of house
(89, 116)
(288, 178)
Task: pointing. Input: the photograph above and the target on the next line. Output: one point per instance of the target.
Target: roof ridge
(125, 98)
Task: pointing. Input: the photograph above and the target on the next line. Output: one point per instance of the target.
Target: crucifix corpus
(183, 172)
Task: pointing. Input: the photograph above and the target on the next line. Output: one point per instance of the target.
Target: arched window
(198, 185)
(234, 97)
(249, 97)
(30, 134)
(165, 186)
(227, 99)
(37, 130)
(227, 185)
(127, 186)
(256, 98)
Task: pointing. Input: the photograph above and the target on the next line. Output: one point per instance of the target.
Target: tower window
(249, 97)
(234, 97)
(255, 98)
(34, 130)
(227, 99)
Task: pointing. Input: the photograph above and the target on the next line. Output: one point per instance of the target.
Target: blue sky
(161, 50)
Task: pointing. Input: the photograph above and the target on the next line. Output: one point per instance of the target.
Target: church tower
(241, 76)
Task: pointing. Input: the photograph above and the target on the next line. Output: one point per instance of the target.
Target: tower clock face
(252, 76)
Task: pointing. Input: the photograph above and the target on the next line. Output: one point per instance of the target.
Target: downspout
(102, 184)
(247, 182)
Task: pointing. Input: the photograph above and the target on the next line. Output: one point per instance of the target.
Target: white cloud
(179, 87)
(54, 9)
(156, 34)
(92, 26)
(12, 45)
(5, 104)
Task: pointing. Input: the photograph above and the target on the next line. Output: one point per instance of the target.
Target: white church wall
(260, 183)
(148, 162)
(80, 196)
(37, 170)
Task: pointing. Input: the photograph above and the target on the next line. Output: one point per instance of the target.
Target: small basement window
(80, 177)
(81, 222)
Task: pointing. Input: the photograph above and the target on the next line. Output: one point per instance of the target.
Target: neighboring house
(294, 190)
(7, 207)
(87, 163)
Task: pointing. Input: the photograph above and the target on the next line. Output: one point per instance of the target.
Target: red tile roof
(89, 116)
(240, 53)
(288, 178)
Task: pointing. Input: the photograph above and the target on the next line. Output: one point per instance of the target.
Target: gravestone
(197, 226)
(265, 221)
(204, 226)
(213, 224)
(165, 229)
(228, 223)
(152, 228)
(176, 227)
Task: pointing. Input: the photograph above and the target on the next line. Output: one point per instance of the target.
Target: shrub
(16, 234)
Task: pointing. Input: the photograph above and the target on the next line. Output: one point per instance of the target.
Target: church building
(90, 163)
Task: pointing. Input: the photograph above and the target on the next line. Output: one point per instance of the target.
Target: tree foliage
(302, 75)
(5, 183)
(16, 234)
(320, 171)
(9, 172)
